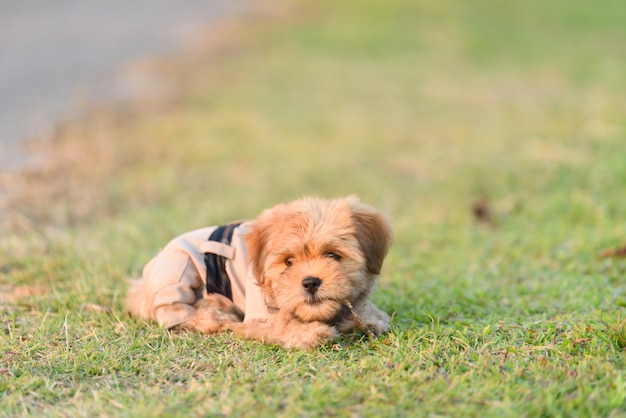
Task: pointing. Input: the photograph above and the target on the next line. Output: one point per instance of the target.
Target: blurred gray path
(50, 50)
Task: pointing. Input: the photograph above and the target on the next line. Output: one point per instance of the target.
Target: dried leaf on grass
(482, 211)
(12, 293)
(92, 307)
(613, 253)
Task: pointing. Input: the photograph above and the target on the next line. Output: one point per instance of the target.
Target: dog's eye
(332, 255)
(288, 261)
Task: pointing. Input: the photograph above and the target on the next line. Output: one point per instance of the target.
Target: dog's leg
(373, 319)
(286, 330)
(211, 314)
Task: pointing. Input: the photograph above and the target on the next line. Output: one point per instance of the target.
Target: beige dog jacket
(178, 275)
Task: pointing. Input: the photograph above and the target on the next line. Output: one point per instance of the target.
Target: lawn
(493, 134)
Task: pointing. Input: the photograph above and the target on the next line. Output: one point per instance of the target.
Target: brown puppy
(299, 275)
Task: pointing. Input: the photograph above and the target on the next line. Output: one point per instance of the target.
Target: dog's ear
(373, 231)
(256, 240)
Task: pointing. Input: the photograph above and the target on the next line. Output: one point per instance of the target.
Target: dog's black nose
(311, 284)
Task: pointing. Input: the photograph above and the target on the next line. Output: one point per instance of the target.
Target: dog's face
(311, 255)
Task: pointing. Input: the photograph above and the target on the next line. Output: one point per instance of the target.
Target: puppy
(299, 275)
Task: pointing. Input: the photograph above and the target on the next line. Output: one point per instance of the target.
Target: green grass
(421, 108)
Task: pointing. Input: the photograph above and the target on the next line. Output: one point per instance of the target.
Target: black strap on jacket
(217, 280)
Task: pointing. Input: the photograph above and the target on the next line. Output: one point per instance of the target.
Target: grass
(421, 108)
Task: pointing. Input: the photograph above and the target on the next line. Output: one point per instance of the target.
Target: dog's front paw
(310, 335)
(372, 320)
(376, 328)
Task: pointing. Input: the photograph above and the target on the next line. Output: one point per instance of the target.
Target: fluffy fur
(317, 262)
